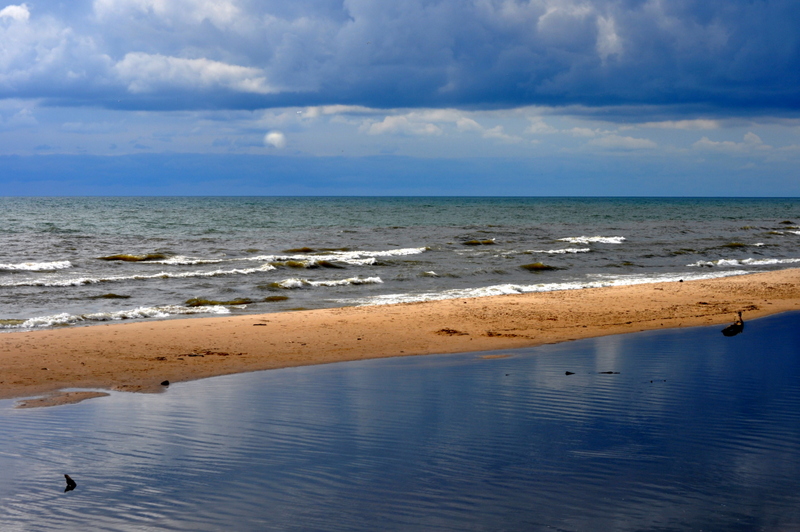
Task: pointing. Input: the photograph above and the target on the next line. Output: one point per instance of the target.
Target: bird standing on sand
(735, 328)
(71, 485)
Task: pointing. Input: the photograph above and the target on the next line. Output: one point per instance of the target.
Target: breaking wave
(180, 260)
(37, 266)
(311, 260)
(559, 251)
(80, 281)
(137, 313)
(742, 262)
(300, 283)
(356, 258)
(591, 239)
(600, 281)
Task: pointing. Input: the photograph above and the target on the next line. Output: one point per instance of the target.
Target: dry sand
(139, 356)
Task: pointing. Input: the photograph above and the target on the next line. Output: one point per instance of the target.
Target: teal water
(255, 255)
(692, 430)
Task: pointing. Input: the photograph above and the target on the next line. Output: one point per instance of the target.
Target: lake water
(696, 431)
(78, 261)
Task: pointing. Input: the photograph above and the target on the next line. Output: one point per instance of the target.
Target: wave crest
(599, 281)
(559, 251)
(80, 281)
(37, 266)
(593, 239)
(742, 262)
(300, 283)
(65, 318)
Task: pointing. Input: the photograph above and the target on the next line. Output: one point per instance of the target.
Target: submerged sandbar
(140, 356)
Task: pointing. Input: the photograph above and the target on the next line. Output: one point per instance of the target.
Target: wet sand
(138, 357)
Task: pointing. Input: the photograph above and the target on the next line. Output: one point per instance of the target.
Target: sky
(400, 97)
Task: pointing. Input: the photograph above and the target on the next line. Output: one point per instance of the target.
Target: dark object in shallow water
(200, 302)
(164, 383)
(125, 257)
(71, 485)
(569, 373)
(539, 267)
(608, 372)
(735, 328)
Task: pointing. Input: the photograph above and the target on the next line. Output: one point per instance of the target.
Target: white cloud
(45, 55)
(624, 143)
(539, 127)
(498, 133)
(276, 139)
(325, 110)
(402, 124)
(19, 13)
(608, 42)
(468, 124)
(684, 124)
(218, 12)
(151, 72)
(750, 142)
(582, 132)
(433, 122)
(16, 115)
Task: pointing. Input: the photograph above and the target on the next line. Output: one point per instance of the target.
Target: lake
(690, 430)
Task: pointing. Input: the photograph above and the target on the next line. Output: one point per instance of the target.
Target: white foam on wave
(742, 262)
(37, 266)
(559, 251)
(595, 239)
(300, 283)
(359, 262)
(80, 281)
(163, 311)
(316, 263)
(180, 260)
(356, 258)
(385, 253)
(597, 281)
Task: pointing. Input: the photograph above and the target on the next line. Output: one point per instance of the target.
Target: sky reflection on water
(696, 431)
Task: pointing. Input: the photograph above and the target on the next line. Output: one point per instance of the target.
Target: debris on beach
(451, 332)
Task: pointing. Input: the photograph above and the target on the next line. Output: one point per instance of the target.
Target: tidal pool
(691, 430)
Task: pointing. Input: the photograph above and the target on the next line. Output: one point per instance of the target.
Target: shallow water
(200, 256)
(696, 432)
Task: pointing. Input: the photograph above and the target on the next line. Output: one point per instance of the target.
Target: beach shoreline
(140, 356)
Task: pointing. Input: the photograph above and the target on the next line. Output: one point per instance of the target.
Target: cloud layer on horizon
(710, 58)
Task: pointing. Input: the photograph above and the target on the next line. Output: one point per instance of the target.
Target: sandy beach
(138, 357)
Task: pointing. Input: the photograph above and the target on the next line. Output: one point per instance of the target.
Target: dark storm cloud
(710, 56)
